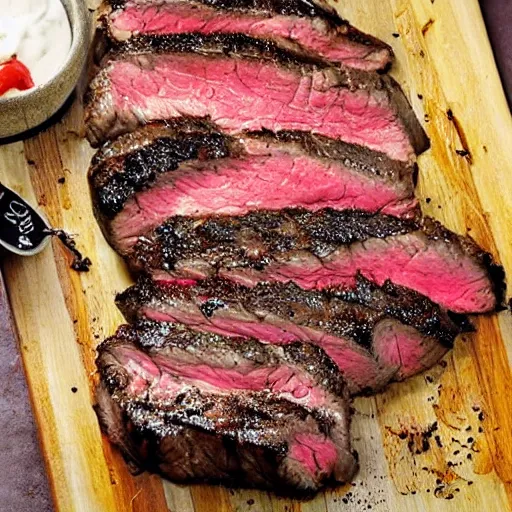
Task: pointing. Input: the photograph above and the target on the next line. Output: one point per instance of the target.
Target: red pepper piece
(14, 75)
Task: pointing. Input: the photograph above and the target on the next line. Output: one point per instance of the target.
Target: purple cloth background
(23, 482)
(498, 18)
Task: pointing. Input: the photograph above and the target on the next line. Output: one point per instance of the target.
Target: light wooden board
(443, 55)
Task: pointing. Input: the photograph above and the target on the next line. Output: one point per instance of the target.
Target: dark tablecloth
(498, 18)
(23, 483)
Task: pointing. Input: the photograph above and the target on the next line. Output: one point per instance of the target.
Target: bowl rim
(77, 24)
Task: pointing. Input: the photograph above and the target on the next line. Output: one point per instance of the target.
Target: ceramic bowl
(30, 109)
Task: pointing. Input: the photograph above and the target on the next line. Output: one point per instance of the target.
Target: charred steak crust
(133, 162)
(242, 46)
(146, 135)
(220, 239)
(116, 180)
(237, 415)
(234, 45)
(342, 313)
(235, 440)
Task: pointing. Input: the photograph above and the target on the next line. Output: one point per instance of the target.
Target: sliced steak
(323, 249)
(247, 84)
(373, 334)
(199, 407)
(298, 372)
(190, 168)
(299, 26)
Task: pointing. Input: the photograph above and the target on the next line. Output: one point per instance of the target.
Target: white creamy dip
(38, 33)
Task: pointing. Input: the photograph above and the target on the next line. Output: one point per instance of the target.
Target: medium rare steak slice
(298, 372)
(373, 334)
(198, 407)
(297, 25)
(323, 249)
(190, 168)
(247, 84)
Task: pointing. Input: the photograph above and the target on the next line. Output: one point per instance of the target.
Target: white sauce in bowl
(38, 33)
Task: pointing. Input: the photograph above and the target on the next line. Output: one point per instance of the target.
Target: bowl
(32, 108)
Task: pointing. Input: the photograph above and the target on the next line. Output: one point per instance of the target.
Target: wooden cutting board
(441, 441)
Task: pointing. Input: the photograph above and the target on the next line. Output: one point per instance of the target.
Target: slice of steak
(323, 249)
(236, 440)
(247, 84)
(190, 168)
(198, 407)
(299, 26)
(298, 372)
(373, 334)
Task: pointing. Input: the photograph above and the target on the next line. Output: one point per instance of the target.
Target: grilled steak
(373, 334)
(323, 249)
(200, 407)
(297, 25)
(190, 168)
(247, 84)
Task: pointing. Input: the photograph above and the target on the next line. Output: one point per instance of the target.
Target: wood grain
(440, 441)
